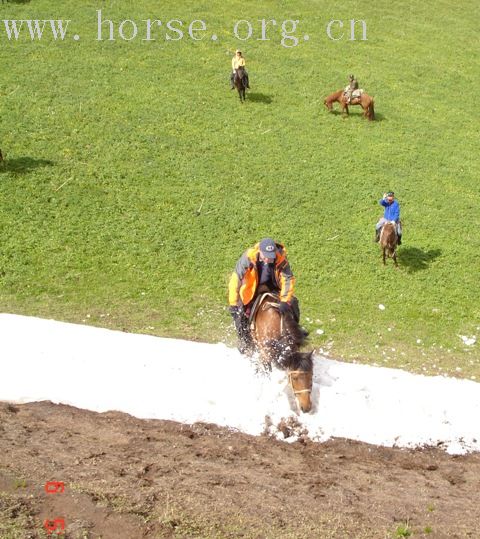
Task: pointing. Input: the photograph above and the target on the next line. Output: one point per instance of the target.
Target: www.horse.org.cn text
(287, 32)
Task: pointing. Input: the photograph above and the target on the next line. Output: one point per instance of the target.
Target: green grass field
(113, 147)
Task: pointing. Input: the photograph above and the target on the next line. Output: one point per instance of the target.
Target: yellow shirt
(238, 61)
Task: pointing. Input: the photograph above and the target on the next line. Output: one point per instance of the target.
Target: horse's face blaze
(302, 384)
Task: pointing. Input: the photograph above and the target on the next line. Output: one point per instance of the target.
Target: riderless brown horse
(278, 339)
(240, 83)
(365, 101)
(388, 241)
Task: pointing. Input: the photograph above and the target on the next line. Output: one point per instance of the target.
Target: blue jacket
(392, 211)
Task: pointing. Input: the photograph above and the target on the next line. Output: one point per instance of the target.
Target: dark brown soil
(127, 478)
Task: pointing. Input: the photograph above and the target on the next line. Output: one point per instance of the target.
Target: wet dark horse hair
(240, 83)
(278, 339)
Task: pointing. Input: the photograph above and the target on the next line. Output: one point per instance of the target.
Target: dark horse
(240, 83)
(365, 101)
(278, 339)
(388, 241)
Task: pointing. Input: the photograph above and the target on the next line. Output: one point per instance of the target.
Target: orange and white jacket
(244, 280)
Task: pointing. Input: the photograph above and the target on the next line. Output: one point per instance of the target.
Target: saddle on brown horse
(267, 299)
(364, 100)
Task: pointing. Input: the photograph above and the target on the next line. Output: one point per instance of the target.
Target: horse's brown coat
(365, 101)
(388, 242)
(278, 343)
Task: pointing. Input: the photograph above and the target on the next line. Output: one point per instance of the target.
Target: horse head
(388, 241)
(300, 378)
(388, 235)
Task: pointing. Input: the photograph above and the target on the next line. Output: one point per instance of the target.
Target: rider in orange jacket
(264, 266)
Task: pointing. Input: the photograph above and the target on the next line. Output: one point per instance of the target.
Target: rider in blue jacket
(391, 213)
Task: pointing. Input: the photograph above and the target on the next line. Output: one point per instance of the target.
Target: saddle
(356, 94)
(256, 304)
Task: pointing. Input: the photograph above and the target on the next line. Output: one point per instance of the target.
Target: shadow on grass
(415, 259)
(20, 165)
(355, 114)
(16, 1)
(259, 98)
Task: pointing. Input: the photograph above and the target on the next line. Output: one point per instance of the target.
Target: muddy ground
(127, 478)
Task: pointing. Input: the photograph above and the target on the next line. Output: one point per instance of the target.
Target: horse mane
(292, 330)
(299, 361)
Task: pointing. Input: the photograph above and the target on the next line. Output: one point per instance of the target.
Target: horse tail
(372, 111)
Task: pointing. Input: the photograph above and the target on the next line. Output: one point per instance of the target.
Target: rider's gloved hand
(284, 307)
(235, 310)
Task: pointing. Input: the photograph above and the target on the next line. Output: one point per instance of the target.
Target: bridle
(297, 391)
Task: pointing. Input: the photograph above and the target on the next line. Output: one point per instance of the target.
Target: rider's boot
(245, 348)
(245, 342)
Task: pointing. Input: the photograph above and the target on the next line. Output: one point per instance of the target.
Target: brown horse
(278, 339)
(388, 241)
(365, 101)
(239, 82)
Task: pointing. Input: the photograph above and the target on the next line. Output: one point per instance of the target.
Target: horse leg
(384, 256)
(394, 256)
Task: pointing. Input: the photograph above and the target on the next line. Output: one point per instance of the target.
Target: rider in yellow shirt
(238, 61)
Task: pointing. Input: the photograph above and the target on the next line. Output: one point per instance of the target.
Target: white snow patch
(153, 377)
(468, 341)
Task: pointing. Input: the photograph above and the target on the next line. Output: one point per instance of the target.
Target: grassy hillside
(134, 178)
